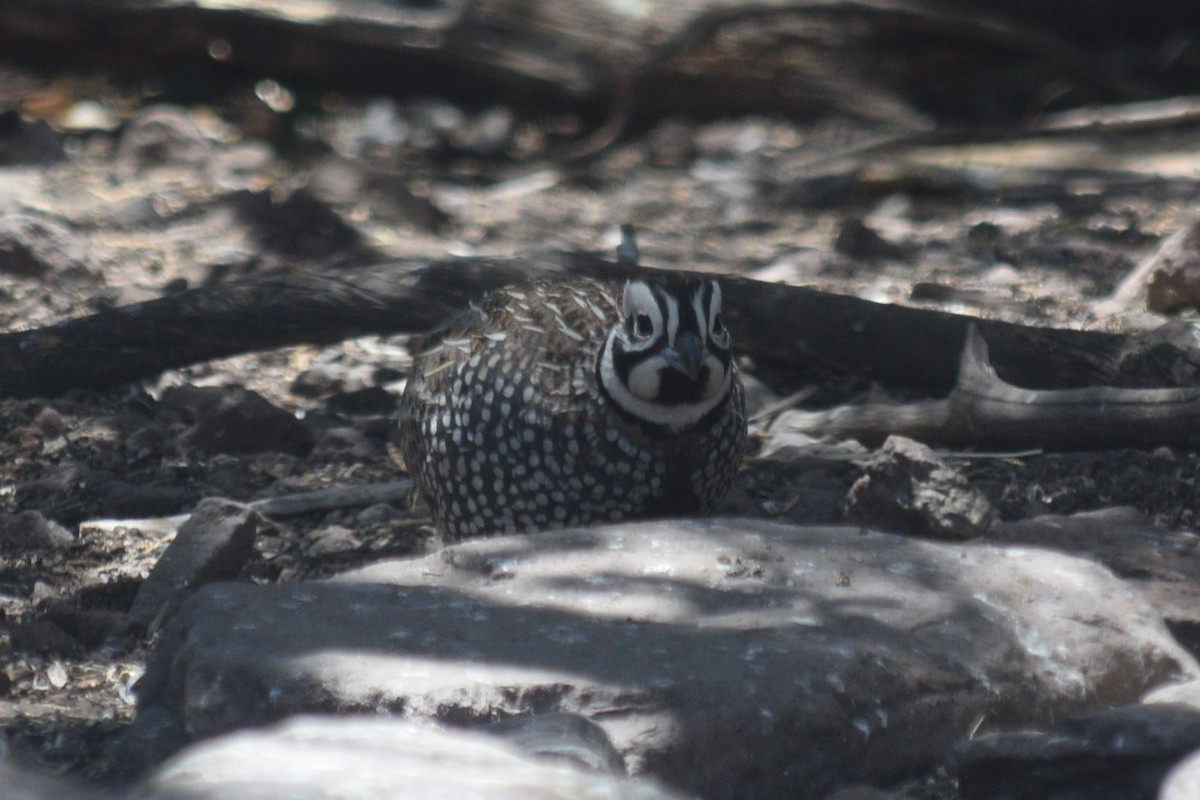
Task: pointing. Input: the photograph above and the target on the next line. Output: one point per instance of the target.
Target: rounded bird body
(561, 404)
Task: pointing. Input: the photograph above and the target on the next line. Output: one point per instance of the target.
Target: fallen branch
(984, 411)
(810, 334)
(285, 505)
(335, 497)
(878, 58)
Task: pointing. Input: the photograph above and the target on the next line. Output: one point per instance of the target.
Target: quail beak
(687, 355)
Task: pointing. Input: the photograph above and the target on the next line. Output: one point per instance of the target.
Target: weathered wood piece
(872, 58)
(984, 411)
(1164, 281)
(335, 497)
(802, 331)
(129, 343)
(284, 505)
(805, 330)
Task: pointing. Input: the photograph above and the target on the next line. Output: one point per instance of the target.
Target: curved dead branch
(984, 411)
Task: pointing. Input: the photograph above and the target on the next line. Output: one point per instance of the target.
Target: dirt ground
(146, 202)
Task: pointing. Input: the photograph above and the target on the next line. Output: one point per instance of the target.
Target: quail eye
(642, 325)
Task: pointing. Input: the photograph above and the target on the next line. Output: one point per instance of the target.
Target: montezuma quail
(560, 404)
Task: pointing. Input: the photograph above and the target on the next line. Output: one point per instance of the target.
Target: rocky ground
(111, 195)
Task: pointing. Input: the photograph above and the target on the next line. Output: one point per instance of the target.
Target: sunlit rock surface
(728, 658)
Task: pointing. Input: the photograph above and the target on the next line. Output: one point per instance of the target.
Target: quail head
(561, 404)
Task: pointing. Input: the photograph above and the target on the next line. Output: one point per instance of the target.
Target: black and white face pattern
(667, 362)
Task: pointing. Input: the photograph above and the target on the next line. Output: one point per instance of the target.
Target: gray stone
(241, 165)
(332, 540)
(122, 499)
(732, 658)
(319, 380)
(234, 420)
(154, 735)
(1163, 564)
(92, 629)
(162, 135)
(1182, 782)
(376, 514)
(1186, 693)
(858, 240)
(31, 246)
(800, 480)
(29, 530)
(50, 422)
(315, 758)
(345, 445)
(28, 142)
(861, 793)
(43, 638)
(19, 783)
(368, 400)
(212, 545)
(1116, 754)
(571, 738)
(907, 489)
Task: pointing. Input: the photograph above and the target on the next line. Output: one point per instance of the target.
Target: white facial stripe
(701, 317)
(637, 295)
(672, 319)
(639, 299)
(714, 305)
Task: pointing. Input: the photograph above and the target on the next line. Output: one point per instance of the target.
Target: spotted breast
(567, 403)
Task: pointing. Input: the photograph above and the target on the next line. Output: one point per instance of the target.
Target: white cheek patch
(672, 320)
(644, 379)
(716, 378)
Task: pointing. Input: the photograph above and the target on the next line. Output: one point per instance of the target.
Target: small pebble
(50, 422)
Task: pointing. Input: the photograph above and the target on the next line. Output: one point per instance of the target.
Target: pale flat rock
(213, 544)
(1112, 754)
(1164, 565)
(376, 758)
(730, 658)
(1186, 693)
(22, 783)
(561, 737)
(1182, 782)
